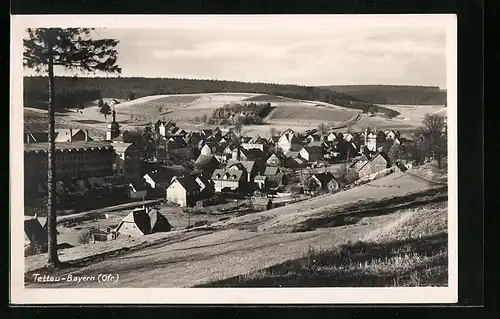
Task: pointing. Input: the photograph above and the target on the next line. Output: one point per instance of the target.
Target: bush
(84, 238)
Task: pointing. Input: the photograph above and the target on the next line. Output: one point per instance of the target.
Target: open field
(305, 113)
(413, 114)
(237, 247)
(268, 98)
(299, 115)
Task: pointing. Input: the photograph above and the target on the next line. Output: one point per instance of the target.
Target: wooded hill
(74, 92)
(393, 94)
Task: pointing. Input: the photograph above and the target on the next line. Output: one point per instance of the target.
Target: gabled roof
(271, 171)
(147, 221)
(160, 176)
(293, 154)
(313, 149)
(248, 165)
(324, 177)
(261, 201)
(76, 145)
(382, 154)
(122, 147)
(64, 134)
(204, 159)
(138, 185)
(188, 182)
(119, 138)
(34, 230)
(221, 174)
(39, 136)
(254, 153)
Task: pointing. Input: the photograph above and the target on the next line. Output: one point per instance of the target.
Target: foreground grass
(412, 251)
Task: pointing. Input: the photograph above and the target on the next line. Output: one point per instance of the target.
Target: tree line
(394, 94)
(132, 88)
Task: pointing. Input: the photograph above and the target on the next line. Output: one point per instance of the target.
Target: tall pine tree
(71, 48)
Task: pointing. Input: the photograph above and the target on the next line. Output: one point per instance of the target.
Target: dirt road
(218, 255)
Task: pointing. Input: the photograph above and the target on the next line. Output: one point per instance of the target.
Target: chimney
(86, 135)
(71, 135)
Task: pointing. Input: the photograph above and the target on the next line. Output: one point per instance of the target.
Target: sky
(297, 53)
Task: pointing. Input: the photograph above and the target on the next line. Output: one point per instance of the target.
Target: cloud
(320, 57)
(223, 49)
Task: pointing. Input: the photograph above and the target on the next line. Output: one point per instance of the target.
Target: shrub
(84, 238)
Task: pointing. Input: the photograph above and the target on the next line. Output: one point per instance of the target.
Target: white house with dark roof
(232, 179)
(183, 190)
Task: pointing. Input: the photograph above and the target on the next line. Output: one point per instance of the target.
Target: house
(311, 153)
(206, 186)
(193, 138)
(262, 203)
(274, 160)
(390, 135)
(128, 160)
(138, 189)
(289, 141)
(206, 133)
(313, 138)
(348, 137)
(158, 179)
(380, 138)
(183, 190)
(142, 221)
(255, 143)
(376, 164)
(251, 168)
(275, 177)
(207, 164)
(331, 137)
(233, 179)
(254, 154)
(216, 131)
(371, 141)
(206, 150)
(34, 232)
(333, 186)
(261, 180)
(70, 135)
(230, 136)
(317, 182)
(293, 160)
(359, 162)
(35, 137)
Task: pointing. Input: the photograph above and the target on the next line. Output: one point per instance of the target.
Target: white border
(20, 295)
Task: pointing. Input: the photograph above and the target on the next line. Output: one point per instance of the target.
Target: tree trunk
(51, 189)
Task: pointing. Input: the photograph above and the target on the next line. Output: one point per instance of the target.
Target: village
(216, 172)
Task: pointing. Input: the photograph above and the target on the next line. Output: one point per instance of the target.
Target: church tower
(113, 128)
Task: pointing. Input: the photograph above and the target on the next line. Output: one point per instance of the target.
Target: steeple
(113, 127)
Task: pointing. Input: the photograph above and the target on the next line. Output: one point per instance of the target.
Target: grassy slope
(410, 251)
(36, 90)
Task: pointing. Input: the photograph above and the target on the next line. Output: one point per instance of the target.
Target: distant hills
(74, 92)
(393, 94)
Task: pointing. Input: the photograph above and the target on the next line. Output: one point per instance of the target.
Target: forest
(73, 92)
(393, 94)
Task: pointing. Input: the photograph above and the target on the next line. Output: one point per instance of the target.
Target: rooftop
(75, 145)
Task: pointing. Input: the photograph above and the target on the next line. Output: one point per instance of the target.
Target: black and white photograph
(165, 157)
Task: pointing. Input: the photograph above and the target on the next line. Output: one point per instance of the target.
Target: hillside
(75, 92)
(393, 94)
(401, 219)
